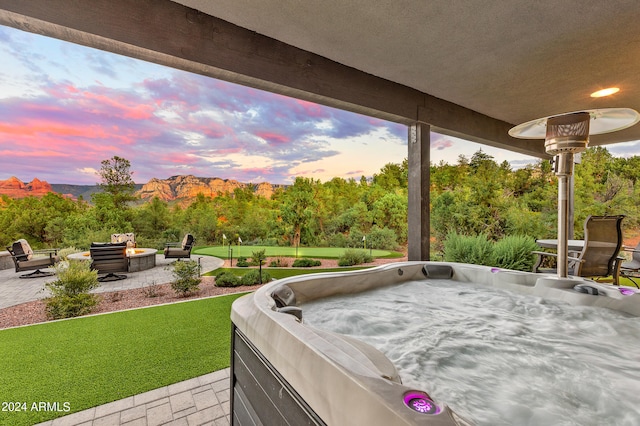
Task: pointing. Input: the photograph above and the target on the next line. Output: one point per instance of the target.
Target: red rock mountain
(188, 187)
(182, 188)
(15, 188)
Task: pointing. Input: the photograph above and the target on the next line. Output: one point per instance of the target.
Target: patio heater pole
(563, 172)
(565, 135)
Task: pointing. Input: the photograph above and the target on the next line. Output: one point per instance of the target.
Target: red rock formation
(15, 188)
(188, 187)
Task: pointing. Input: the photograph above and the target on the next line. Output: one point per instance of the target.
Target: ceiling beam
(173, 35)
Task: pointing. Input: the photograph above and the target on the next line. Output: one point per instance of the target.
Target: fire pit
(140, 259)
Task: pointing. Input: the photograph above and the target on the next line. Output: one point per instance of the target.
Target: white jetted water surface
(496, 357)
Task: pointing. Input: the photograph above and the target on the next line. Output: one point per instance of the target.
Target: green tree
(116, 179)
(297, 209)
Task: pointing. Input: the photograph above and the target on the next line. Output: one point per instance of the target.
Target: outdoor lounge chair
(631, 269)
(599, 257)
(180, 250)
(26, 259)
(109, 258)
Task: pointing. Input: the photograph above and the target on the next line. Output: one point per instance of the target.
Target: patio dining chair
(631, 269)
(599, 257)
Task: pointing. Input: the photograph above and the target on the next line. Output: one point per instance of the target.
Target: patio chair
(631, 269)
(26, 259)
(109, 258)
(180, 250)
(599, 257)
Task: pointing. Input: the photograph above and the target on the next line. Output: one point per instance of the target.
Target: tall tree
(298, 207)
(116, 180)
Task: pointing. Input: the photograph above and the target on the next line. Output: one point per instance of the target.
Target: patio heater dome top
(604, 120)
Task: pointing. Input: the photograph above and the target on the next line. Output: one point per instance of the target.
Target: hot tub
(285, 371)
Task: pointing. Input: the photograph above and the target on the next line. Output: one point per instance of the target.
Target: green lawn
(280, 273)
(314, 252)
(94, 360)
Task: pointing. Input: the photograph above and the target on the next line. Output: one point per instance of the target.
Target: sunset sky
(64, 108)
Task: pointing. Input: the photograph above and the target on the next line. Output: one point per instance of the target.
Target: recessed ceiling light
(605, 92)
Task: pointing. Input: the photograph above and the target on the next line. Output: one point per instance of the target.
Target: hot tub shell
(287, 372)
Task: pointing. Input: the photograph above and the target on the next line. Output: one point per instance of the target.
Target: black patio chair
(180, 250)
(109, 258)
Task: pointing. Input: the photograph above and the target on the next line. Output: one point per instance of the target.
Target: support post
(419, 194)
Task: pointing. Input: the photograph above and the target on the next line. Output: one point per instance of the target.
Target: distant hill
(175, 188)
(77, 191)
(184, 188)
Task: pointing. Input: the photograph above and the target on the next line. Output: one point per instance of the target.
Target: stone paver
(195, 404)
(14, 290)
(199, 401)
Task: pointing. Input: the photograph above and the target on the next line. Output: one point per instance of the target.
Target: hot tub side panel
(260, 395)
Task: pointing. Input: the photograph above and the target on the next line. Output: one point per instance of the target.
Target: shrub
(227, 279)
(465, 249)
(70, 291)
(514, 252)
(242, 262)
(187, 277)
(70, 306)
(279, 262)
(258, 257)
(253, 277)
(306, 263)
(65, 252)
(354, 257)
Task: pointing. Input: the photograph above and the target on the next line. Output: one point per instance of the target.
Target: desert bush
(70, 291)
(514, 252)
(187, 277)
(354, 257)
(227, 279)
(306, 263)
(279, 262)
(466, 249)
(242, 262)
(152, 290)
(253, 277)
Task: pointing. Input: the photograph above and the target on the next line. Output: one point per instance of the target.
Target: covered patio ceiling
(468, 69)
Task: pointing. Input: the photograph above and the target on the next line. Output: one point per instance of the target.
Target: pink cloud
(441, 144)
(273, 138)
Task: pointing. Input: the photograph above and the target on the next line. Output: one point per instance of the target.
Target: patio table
(573, 245)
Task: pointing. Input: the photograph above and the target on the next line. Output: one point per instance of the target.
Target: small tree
(259, 257)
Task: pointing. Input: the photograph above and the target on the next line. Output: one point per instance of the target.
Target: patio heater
(565, 135)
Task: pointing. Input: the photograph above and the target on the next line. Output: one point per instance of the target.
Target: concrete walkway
(202, 400)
